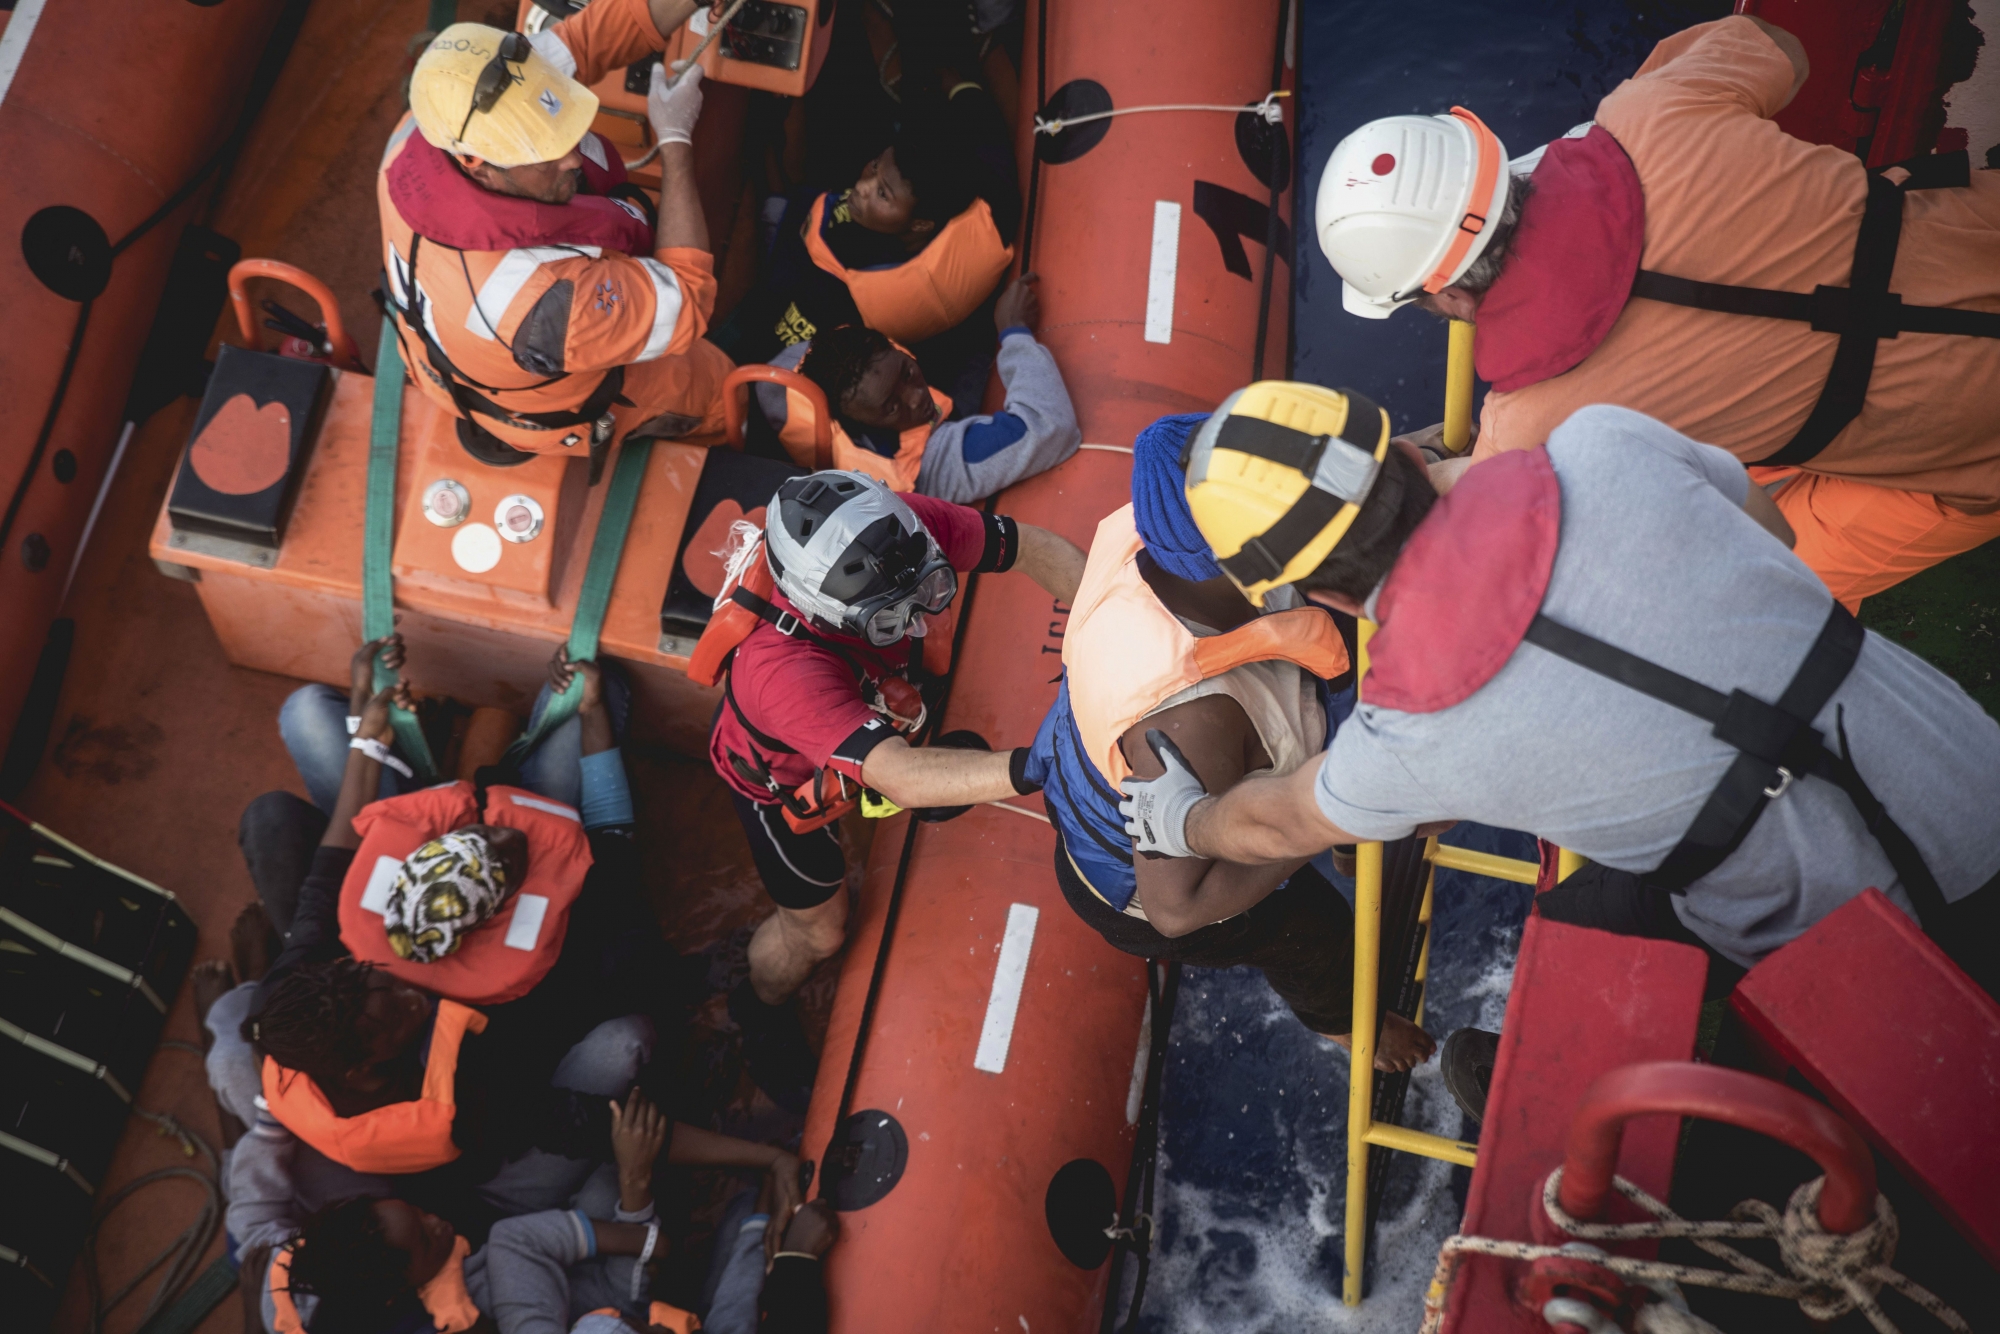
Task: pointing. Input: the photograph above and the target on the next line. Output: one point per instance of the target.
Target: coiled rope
(1830, 1273)
(1268, 109)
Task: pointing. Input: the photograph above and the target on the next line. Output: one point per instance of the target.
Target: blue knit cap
(1159, 499)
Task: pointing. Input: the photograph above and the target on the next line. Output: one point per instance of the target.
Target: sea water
(1253, 1167)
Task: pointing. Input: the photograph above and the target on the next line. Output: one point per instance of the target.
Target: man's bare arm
(1051, 560)
(1263, 820)
(915, 777)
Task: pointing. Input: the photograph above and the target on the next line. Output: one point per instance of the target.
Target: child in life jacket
(390, 1077)
(914, 247)
(891, 423)
(1160, 643)
(372, 1265)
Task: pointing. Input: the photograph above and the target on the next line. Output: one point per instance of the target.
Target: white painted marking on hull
(996, 1035)
(1165, 268)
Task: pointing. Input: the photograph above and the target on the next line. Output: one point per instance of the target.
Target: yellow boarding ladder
(1362, 1129)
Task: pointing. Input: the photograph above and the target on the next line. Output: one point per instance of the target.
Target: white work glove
(673, 104)
(1156, 809)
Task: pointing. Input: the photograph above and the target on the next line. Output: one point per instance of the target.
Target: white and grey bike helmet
(854, 558)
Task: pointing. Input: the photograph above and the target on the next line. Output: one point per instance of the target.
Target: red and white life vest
(503, 958)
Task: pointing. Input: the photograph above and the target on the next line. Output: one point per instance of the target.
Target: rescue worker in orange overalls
(537, 297)
(1685, 257)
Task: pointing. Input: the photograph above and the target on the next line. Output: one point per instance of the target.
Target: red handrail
(733, 406)
(342, 346)
(1846, 1204)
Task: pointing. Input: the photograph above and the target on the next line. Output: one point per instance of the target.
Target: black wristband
(1017, 772)
(1003, 544)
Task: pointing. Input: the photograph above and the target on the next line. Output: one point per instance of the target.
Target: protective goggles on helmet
(494, 78)
(1277, 475)
(887, 618)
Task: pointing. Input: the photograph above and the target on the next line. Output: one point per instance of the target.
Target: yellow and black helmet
(1276, 475)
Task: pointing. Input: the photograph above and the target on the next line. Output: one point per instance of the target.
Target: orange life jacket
(936, 288)
(1124, 653)
(402, 1137)
(900, 471)
(505, 957)
(446, 1298)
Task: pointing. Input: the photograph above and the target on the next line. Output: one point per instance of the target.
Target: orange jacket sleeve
(615, 310)
(609, 35)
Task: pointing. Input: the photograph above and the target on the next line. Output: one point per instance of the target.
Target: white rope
(1109, 449)
(1268, 109)
(714, 31)
(1830, 1273)
(1022, 810)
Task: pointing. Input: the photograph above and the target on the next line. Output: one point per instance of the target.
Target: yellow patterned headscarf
(445, 888)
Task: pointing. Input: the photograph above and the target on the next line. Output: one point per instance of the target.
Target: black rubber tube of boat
(1035, 139)
(890, 915)
(262, 82)
(1131, 1232)
(1278, 139)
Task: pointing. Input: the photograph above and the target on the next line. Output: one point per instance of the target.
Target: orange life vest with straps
(403, 1137)
(445, 1297)
(1124, 653)
(936, 288)
(505, 957)
(744, 604)
(899, 471)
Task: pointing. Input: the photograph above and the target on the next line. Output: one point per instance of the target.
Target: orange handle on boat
(338, 341)
(1846, 1203)
(734, 392)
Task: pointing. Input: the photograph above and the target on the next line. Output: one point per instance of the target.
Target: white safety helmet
(1406, 204)
(851, 555)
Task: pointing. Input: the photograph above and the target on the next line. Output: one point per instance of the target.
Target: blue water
(1253, 1132)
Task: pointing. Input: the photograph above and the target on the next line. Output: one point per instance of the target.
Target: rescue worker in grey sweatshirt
(884, 406)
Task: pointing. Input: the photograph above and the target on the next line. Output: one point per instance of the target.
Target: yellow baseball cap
(1277, 474)
(539, 116)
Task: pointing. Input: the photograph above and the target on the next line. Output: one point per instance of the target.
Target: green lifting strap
(621, 498)
(378, 598)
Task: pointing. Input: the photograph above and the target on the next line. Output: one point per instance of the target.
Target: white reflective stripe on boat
(1165, 268)
(996, 1035)
(14, 41)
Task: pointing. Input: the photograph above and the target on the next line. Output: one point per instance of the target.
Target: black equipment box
(733, 486)
(249, 447)
(90, 961)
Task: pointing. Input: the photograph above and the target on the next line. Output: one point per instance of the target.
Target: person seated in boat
(1613, 267)
(821, 694)
(889, 421)
(374, 1264)
(393, 1066)
(914, 247)
(750, 1288)
(1160, 644)
(538, 295)
(1608, 643)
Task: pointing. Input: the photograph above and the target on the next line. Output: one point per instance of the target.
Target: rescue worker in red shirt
(1683, 256)
(826, 631)
(537, 299)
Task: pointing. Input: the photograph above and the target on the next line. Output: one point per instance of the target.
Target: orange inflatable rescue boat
(978, 1092)
(105, 167)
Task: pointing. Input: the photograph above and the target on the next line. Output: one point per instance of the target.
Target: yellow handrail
(1458, 388)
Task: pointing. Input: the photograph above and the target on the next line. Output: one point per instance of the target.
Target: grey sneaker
(1467, 1063)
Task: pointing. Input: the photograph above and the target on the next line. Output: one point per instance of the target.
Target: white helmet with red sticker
(1406, 204)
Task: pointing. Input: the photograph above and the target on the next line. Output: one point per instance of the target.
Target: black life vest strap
(1862, 313)
(1776, 745)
